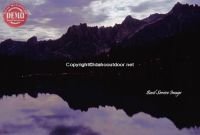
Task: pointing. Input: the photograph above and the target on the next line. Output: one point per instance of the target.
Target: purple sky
(50, 115)
(49, 19)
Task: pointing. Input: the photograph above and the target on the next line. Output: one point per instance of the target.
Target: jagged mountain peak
(129, 19)
(81, 27)
(179, 6)
(183, 8)
(32, 41)
(33, 38)
(7, 41)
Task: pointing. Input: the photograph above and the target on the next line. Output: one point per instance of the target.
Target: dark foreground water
(126, 92)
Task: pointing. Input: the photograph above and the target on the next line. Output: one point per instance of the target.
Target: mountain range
(162, 46)
(83, 41)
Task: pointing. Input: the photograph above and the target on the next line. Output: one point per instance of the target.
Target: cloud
(33, 2)
(27, 31)
(153, 6)
(34, 27)
(42, 20)
(190, 1)
(117, 10)
(49, 19)
(50, 115)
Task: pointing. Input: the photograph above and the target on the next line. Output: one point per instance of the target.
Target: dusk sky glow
(49, 19)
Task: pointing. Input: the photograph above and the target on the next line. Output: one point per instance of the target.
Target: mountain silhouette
(162, 47)
(84, 41)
